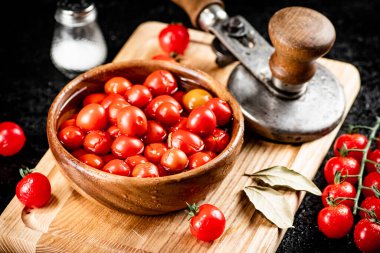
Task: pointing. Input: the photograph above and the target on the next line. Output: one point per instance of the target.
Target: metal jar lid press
(285, 95)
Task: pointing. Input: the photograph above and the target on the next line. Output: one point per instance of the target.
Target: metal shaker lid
(75, 12)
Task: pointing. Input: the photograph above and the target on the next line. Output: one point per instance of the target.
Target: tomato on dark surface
(348, 166)
(207, 222)
(12, 138)
(155, 133)
(97, 142)
(92, 160)
(92, 117)
(145, 170)
(125, 146)
(132, 161)
(118, 167)
(151, 108)
(117, 85)
(154, 151)
(139, 96)
(198, 159)
(335, 221)
(71, 137)
(132, 121)
(371, 180)
(95, 98)
(351, 141)
(174, 38)
(342, 190)
(174, 161)
(201, 121)
(372, 204)
(367, 236)
(375, 157)
(161, 82)
(186, 141)
(195, 98)
(217, 141)
(221, 109)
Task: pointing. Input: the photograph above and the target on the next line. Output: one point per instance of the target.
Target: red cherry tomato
(367, 236)
(201, 121)
(375, 157)
(138, 95)
(117, 85)
(34, 190)
(113, 131)
(163, 57)
(132, 121)
(218, 141)
(167, 114)
(98, 142)
(370, 203)
(335, 221)
(118, 167)
(210, 153)
(174, 161)
(174, 38)
(207, 223)
(346, 165)
(154, 151)
(195, 98)
(107, 158)
(145, 170)
(125, 146)
(110, 98)
(132, 161)
(371, 180)
(180, 125)
(79, 152)
(92, 117)
(92, 160)
(12, 138)
(161, 82)
(151, 109)
(179, 96)
(352, 141)
(66, 123)
(221, 110)
(95, 98)
(344, 189)
(186, 141)
(198, 159)
(114, 109)
(71, 137)
(155, 133)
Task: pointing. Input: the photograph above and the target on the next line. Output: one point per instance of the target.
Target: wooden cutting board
(70, 223)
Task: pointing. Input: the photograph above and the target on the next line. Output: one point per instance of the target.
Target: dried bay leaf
(282, 176)
(271, 204)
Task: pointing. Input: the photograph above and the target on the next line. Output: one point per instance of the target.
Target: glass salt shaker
(78, 43)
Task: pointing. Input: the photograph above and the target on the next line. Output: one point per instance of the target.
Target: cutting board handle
(194, 7)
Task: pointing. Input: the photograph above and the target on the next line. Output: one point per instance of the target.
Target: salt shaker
(78, 43)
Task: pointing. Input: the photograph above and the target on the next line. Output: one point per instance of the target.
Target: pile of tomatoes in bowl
(152, 129)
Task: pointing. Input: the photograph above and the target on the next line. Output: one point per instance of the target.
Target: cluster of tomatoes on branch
(353, 175)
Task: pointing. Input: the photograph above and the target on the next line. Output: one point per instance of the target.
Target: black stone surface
(29, 82)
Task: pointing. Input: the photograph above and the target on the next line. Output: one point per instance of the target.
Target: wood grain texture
(74, 224)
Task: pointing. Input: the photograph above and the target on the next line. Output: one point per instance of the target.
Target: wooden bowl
(144, 196)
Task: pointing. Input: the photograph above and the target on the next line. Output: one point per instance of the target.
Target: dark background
(29, 82)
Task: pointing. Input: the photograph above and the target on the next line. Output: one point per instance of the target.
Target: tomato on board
(118, 167)
(221, 109)
(195, 98)
(367, 236)
(198, 159)
(174, 38)
(139, 95)
(97, 142)
(201, 121)
(174, 161)
(155, 133)
(344, 189)
(132, 161)
(145, 170)
(335, 221)
(92, 117)
(34, 190)
(217, 141)
(348, 166)
(372, 204)
(95, 98)
(154, 151)
(151, 108)
(161, 82)
(71, 137)
(207, 222)
(132, 121)
(186, 141)
(125, 146)
(375, 157)
(12, 138)
(351, 141)
(92, 160)
(371, 180)
(117, 85)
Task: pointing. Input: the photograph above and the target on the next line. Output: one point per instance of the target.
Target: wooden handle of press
(299, 36)
(194, 7)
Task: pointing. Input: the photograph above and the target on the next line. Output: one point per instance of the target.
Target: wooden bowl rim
(54, 143)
